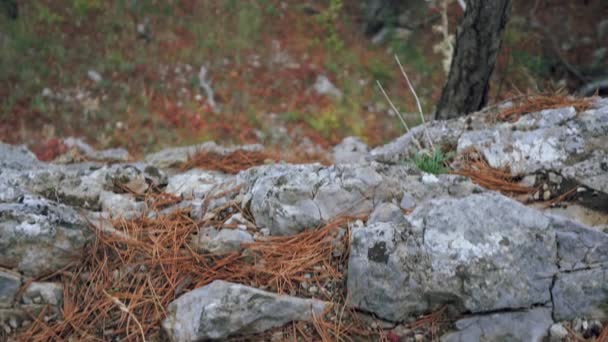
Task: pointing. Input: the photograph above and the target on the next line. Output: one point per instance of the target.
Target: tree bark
(477, 44)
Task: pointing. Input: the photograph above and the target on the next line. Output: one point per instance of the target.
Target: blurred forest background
(148, 74)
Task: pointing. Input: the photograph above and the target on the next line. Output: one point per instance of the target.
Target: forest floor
(78, 68)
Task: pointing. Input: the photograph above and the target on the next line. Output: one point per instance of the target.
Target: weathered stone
(441, 133)
(469, 252)
(39, 236)
(581, 293)
(43, 293)
(386, 212)
(195, 183)
(9, 285)
(222, 309)
(76, 144)
(350, 150)
(523, 326)
(592, 172)
(17, 157)
(579, 247)
(557, 333)
(290, 198)
(222, 241)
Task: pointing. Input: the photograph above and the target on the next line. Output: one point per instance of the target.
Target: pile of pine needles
(239, 160)
(530, 104)
(474, 166)
(127, 277)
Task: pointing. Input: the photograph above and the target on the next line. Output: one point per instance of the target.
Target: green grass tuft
(435, 162)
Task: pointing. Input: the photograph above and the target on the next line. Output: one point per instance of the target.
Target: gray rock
(579, 247)
(581, 293)
(350, 150)
(109, 155)
(38, 236)
(221, 309)
(44, 293)
(524, 152)
(195, 183)
(441, 133)
(592, 172)
(94, 76)
(407, 202)
(546, 140)
(222, 241)
(290, 198)
(469, 252)
(524, 326)
(387, 213)
(323, 86)
(9, 285)
(17, 157)
(557, 333)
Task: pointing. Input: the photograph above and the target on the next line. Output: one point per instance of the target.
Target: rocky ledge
(508, 268)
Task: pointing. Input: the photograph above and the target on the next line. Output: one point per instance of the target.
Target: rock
(44, 293)
(290, 198)
(546, 140)
(350, 150)
(39, 236)
(109, 155)
(10, 282)
(120, 205)
(94, 76)
(579, 247)
(440, 132)
(323, 86)
(581, 293)
(468, 252)
(17, 157)
(557, 332)
(407, 202)
(222, 309)
(387, 213)
(592, 172)
(523, 326)
(222, 241)
(195, 183)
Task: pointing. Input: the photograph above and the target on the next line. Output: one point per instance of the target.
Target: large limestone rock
(480, 253)
(38, 236)
(520, 326)
(222, 309)
(290, 198)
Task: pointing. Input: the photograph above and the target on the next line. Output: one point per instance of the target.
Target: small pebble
(13, 323)
(547, 195)
(418, 337)
(313, 289)
(558, 332)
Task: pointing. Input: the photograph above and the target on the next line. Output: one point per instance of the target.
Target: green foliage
(380, 70)
(412, 54)
(328, 20)
(434, 162)
(45, 16)
(537, 65)
(84, 7)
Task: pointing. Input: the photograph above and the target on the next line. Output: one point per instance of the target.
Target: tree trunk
(477, 45)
